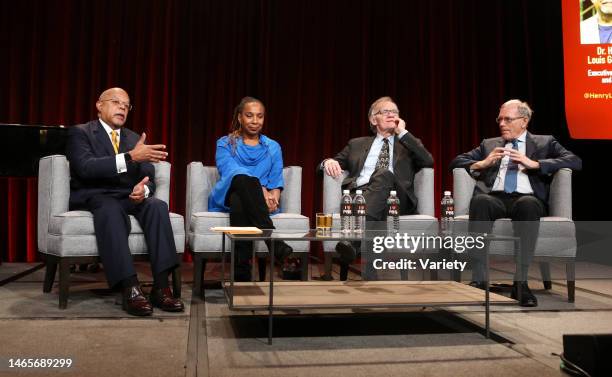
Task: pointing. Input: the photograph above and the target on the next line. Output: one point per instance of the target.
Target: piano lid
(22, 145)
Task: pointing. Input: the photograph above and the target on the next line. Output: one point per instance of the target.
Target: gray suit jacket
(545, 149)
(409, 156)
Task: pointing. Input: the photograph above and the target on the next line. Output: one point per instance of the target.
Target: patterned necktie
(511, 172)
(115, 140)
(383, 157)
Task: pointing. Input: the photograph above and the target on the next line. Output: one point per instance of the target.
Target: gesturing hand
(522, 159)
(151, 153)
(495, 155)
(138, 193)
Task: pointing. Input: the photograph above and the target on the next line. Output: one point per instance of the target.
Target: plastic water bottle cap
(359, 192)
(393, 192)
(447, 193)
(345, 192)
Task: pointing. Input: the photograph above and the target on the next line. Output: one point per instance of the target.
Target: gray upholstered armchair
(425, 221)
(67, 237)
(206, 245)
(557, 236)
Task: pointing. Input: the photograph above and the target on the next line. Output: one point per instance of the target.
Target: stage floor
(211, 340)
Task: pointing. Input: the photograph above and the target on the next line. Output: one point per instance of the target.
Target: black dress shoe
(165, 300)
(282, 250)
(292, 269)
(346, 251)
(527, 298)
(135, 303)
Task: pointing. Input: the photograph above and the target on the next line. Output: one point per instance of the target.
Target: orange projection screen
(587, 46)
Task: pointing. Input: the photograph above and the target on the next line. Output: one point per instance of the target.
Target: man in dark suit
(513, 174)
(112, 176)
(378, 164)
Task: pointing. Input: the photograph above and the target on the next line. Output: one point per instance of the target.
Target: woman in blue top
(250, 166)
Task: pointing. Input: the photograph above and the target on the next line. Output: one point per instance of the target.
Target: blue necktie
(511, 172)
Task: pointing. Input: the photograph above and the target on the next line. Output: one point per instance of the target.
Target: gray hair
(521, 107)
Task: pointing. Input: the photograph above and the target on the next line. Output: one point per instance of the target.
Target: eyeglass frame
(387, 112)
(498, 120)
(118, 103)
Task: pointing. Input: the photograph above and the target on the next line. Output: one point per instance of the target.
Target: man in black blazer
(513, 174)
(112, 176)
(378, 164)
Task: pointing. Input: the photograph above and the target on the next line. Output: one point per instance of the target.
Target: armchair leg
(176, 281)
(199, 265)
(570, 269)
(344, 268)
(261, 267)
(545, 271)
(327, 274)
(456, 275)
(64, 283)
(433, 275)
(304, 264)
(51, 269)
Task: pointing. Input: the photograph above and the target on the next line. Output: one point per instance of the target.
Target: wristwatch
(128, 158)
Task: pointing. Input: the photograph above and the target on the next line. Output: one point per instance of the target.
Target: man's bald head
(108, 93)
(113, 106)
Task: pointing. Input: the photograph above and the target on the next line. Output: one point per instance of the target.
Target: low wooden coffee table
(283, 295)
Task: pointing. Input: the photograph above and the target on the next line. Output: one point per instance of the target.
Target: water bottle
(346, 212)
(393, 204)
(447, 209)
(359, 211)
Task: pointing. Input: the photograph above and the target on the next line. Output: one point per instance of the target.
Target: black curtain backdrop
(317, 65)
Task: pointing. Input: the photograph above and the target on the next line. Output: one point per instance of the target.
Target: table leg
(270, 316)
(487, 302)
(519, 268)
(223, 266)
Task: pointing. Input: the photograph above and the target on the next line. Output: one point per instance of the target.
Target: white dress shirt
(370, 163)
(522, 180)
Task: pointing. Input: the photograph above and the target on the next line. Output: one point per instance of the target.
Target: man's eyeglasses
(506, 120)
(388, 112)
(118, 103)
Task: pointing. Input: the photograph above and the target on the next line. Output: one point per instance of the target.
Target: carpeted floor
(210, 340)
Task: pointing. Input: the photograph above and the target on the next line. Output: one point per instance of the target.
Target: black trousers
(112, 227)
(376, 192)
(247, 208)
(525, 212)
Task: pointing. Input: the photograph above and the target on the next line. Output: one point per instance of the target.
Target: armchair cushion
(200, 181)
(71, 233)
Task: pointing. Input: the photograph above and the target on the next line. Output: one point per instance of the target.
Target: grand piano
(22, 145)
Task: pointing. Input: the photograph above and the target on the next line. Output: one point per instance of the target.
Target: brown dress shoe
(165, 300)
(135, 303)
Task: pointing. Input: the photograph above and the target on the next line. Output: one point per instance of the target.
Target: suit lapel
(530, 146)
(396, 150)
(103, 139)
(500, 142)
(123, 142)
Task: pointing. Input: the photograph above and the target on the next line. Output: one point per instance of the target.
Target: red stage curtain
(316, 64)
